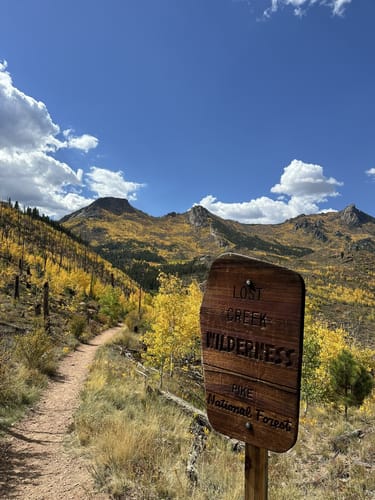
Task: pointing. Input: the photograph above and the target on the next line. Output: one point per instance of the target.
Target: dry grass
(19, 386)
(139, 446)
(329, 460)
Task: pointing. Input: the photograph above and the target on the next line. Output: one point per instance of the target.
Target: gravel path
(34, 464)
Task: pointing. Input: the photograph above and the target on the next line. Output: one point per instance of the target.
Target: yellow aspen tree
(174, 324)
(165, 322)
(190, 334)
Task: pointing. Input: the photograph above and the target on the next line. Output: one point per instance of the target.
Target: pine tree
(350, 382)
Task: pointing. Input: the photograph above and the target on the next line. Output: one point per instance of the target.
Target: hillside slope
(36, 252)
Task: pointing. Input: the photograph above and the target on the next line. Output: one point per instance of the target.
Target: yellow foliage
(175, 332)
(350, 295)
(331, 343)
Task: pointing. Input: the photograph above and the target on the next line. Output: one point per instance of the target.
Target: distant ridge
(199, 215)
(123, 234)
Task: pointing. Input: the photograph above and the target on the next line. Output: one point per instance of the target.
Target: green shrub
(35, 351)
(127, 339)
(110, 306)
(6, 376)
(19, 387)
(350, 382)
(77, 326)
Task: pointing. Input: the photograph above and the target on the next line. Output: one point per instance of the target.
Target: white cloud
(29, 172)
(339, 6)
(36, 179)
(25, 124)
(301, 6)
(303, 183)
(84, 142)
(307, 181)
(259, 211)
(108, 183)
(371, 172)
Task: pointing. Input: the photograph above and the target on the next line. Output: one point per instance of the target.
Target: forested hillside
(36, 251)
(54, 293)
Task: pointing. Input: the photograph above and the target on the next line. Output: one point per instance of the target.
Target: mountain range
(123, 234)
(333, 251)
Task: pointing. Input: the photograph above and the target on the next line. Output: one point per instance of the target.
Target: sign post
(256, 472)
(251, 331)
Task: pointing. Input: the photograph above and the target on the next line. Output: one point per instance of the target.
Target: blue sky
(257, 109)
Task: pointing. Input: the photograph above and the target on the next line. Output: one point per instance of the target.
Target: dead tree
(17, 287)
(46, 300)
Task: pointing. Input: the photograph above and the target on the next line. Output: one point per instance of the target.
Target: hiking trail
(35, 464)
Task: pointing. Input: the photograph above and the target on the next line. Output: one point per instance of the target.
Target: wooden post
(256, 473)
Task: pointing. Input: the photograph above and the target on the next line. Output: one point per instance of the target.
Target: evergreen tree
(350, 382)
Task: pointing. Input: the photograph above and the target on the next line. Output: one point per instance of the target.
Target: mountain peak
(354, 217)
(116, 206)
(198, 216)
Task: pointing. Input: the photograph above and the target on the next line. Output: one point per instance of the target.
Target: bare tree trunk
(17, 287)
(46, 300)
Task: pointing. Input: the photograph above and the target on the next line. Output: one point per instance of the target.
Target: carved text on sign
(243, 391)
(246, 411)
(251, 318)
(225, 405)
(285, 425)
(253, 350)
(246, 292)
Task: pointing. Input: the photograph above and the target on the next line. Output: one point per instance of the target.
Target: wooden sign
(252, 328)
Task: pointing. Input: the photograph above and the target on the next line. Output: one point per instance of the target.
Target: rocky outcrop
(367, 244)
(199, 216)
(313, 228)
(353, 217)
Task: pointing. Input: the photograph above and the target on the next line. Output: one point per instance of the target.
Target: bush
(35, 351)
(77, 326)
(351, 383)
(126, 339)
(111, 307)
(19, 386)
(6, 376)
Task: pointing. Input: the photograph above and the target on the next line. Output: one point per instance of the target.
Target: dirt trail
(34, 464)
